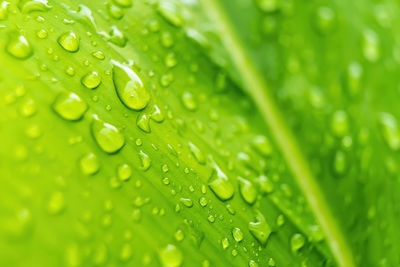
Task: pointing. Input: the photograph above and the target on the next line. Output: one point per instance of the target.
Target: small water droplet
(247, 190)
(252, 263)
(129, 87)
(107, 136)
(189, 101)
(237, 234)
(203, 201)
(166, 39)
(220, 184)
(390, 130)
(262, 145)
(171, 256)
(187, 202)
(260, 229)
(98, 55)
(265, 184)
(371, 45)
(297, 241)
(116, 37)
(69, 41)
(225, 243)
(179, 235)
(145, 159)
(115, 11)
(340, 123)
(197, 153)
(143, 122)
(18, 46)
(56, 203)
(69, 106)
(156, 114)
(124, 172)
(89, 164)
(91, 80)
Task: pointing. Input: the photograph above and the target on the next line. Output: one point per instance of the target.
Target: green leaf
(126, 143)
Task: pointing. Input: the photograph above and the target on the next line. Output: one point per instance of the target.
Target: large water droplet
(129, 87)
(27, 6)
(171, 256)
(18, 46)
(260, 229)
(247, 190)
(220, 184)
(107, 136)
(69, 106)
(69, 41)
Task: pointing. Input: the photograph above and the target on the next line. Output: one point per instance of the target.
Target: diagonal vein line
(258, 90)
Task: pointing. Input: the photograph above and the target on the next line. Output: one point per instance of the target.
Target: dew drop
(56, 203)
(69, 41)
(252, 263)
(260, 229)
(179, 235)
(145, 160)
(91, 80)
(187, 202)
(265, 184)
(124, 172)
(203, 201)
(69, 106)
(262, 145)
(18, 46)
(390, 130)
(197, 153)
(247, 190)
(89, 164)
(107, 136)
(129, 87)
(297, 241)
(171, 256)
(225, 243)
(189, 101)
(28, 6)
(220, 184)
(237, 234)
(156, 114)
(170, 11)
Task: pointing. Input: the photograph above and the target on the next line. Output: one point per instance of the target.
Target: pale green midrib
(258, 90)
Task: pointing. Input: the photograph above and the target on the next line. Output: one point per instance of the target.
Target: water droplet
(265, 184)
(170, 11)
(107, 136)
(98, 55)
(123, 3)
(197, 153)
(189, 101)
(187, 202)
(237, 234)
(297, 241)
(164, 168)
(340, 163)
(145, 159)
(179, 235)
(100, 254)
(354, 75)
(252, 263)
(116, 37)
(143, 122)
(89, 164)
(220, 184)
(371, 46)
(115, 11)
(171, 256)
(268, 5)
(124, 172)
(69, 106)
(260, 229)
(42, 34)
(28, 6)
(166, 39)
(69, 41)
(230, 209)
(170, 60)
(247, 190)
(126, 252)
(203, 201)
(211, 218)
(325, 19)
(156, 114)
(28, 108)
(166, 79)
(340, 123)
(129, 87)
(262, 145)
(18, 46)
(56, 203)
(390, 130)
(91, 80)
(4, 10)
(271, 262)
(225, 243)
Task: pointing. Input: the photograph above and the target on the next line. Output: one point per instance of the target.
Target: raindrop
(247, 190)
(89, 164)
(91, 80)
(18, 46)
(260, 229)
(237, 234)
(145, 159)
(107, 136)
(69, 41)
(171, 256)
(69, 106)
(220, 184)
